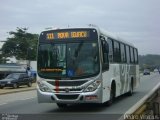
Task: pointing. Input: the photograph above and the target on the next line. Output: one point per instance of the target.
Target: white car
(156, 70)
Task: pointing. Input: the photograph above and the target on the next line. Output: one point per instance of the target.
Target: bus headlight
(43, 87)
(93, 86)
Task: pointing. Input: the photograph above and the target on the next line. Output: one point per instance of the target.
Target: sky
(136, 21)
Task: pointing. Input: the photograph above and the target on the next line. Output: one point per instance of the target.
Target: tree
(21, 44)
(1, 59)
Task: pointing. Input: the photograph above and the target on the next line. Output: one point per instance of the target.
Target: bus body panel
(74, 97)
(122, 75)
(44, 97)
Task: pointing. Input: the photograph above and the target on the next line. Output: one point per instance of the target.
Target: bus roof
(114, 36)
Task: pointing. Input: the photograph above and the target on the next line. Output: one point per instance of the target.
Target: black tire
(112, 96)
(29, 84)
(1, 87)
(61, 105)
(15, 85)
(130, 93)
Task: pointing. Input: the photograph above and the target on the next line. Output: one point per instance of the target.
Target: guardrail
(148, 108)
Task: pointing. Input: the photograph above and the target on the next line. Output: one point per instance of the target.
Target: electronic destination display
(68, 35)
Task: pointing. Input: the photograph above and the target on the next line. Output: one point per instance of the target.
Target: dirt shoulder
(8, 90)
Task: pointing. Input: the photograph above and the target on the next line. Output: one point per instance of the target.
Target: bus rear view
(69, 67)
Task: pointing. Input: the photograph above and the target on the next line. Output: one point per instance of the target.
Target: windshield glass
(69, 60)
(15, 76)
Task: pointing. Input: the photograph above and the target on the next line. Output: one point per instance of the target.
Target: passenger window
(132, 54)
(123, 53)
(128, 54)
(110, 44)
(117, 56)
(136, 56)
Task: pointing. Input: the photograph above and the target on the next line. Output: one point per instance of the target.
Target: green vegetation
(149, 61)
(2, 60)
(21, 44)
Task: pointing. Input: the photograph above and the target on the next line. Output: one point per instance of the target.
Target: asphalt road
(24, 106)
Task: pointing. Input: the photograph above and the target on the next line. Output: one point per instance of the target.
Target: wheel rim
(30, 84)
(15, 85)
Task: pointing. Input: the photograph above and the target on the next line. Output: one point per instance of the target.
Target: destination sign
(51, 70)
(67, 34)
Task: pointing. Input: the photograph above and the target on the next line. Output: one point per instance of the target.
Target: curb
(143, 100)
(34, 85)
(140, 102)
(10, 92)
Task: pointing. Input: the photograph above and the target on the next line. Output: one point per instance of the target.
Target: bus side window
(117, 54)
(136, 56)
(132, 55)
(123, 53)
(128, 54)
(110, 44)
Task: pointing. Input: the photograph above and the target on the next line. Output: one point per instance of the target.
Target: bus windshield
(68, 60)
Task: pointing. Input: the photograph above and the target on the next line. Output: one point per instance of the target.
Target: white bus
(84, 65)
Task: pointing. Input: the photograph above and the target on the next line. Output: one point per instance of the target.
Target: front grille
(69, 90)
(68, 83)
(71, 85)
(67, 97)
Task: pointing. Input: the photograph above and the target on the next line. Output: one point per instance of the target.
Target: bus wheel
(112, 96)
(130, 93)
(61, 105)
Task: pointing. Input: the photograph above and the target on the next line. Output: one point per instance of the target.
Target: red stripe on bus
(57, 85)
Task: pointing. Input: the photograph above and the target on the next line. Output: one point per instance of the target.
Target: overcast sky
(137, 21)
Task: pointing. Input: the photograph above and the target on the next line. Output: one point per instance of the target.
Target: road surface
(24, 105)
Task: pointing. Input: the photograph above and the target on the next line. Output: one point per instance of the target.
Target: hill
(149, 61)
